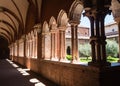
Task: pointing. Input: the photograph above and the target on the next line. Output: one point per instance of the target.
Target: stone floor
(12, 74)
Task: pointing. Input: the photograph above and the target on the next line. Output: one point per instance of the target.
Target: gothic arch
(115, 9)
(62, 19)
(45, 27)
(75, 11)
(52, 23)
(32, 35)
(35, 32)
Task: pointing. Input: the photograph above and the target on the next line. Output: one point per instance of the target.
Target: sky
(85, 21)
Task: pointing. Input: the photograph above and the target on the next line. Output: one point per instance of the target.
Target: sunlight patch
(34, 80)
(40, 84)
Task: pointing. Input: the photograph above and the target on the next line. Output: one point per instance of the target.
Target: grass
(112, 59)
(88, 59)
(85, 59)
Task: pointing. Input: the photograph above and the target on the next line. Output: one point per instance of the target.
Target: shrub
(112, 48)
(112, 59)
(85, 50)
(69, 57)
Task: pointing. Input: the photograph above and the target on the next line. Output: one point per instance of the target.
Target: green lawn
(109, 59)
(88, 59)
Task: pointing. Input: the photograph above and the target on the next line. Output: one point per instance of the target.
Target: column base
(99, 64)
(75, 61)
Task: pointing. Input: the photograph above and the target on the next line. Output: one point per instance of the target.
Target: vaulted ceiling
(17, 17)
(14, 15)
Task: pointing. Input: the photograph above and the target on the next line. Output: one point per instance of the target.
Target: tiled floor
(12, 74)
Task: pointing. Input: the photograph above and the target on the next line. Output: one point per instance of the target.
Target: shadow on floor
(12, 74)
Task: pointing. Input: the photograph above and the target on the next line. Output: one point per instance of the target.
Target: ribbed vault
(14, 15)
(17, 17)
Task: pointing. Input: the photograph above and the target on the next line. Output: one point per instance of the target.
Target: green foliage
(69, 57)
(85, 50)
(85, 59)
(88, 59)
(112, 48)
(112, 59)
(109, 59)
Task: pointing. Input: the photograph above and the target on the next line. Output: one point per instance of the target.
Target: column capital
(62, 28)
(94, 13)
(72, 22)
(117, 20)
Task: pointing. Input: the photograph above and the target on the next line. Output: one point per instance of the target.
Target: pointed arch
(35, 32)
(52, 20)
(32, 34)
(52, 23)
(115, 6)
(62, 18)
(45, 27)
(75, 11)
(29, 36)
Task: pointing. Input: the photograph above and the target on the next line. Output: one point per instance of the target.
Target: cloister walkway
(12, 74)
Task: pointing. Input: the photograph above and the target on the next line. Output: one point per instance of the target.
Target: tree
(112, 48)
(85, 50)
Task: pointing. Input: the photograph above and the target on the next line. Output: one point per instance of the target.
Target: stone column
(43, 45)
(74, 42)
(98, 38)
(13, 51)
(92, 39)
(17, 44)
(56, 45)
(115, 6)
(103, 38)
(33, 47)
(62, 43)
(30, 53)
(40, 43)
(26, 48)
(25, 43)
(119, 38)
(52, 45)
(64, 49)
